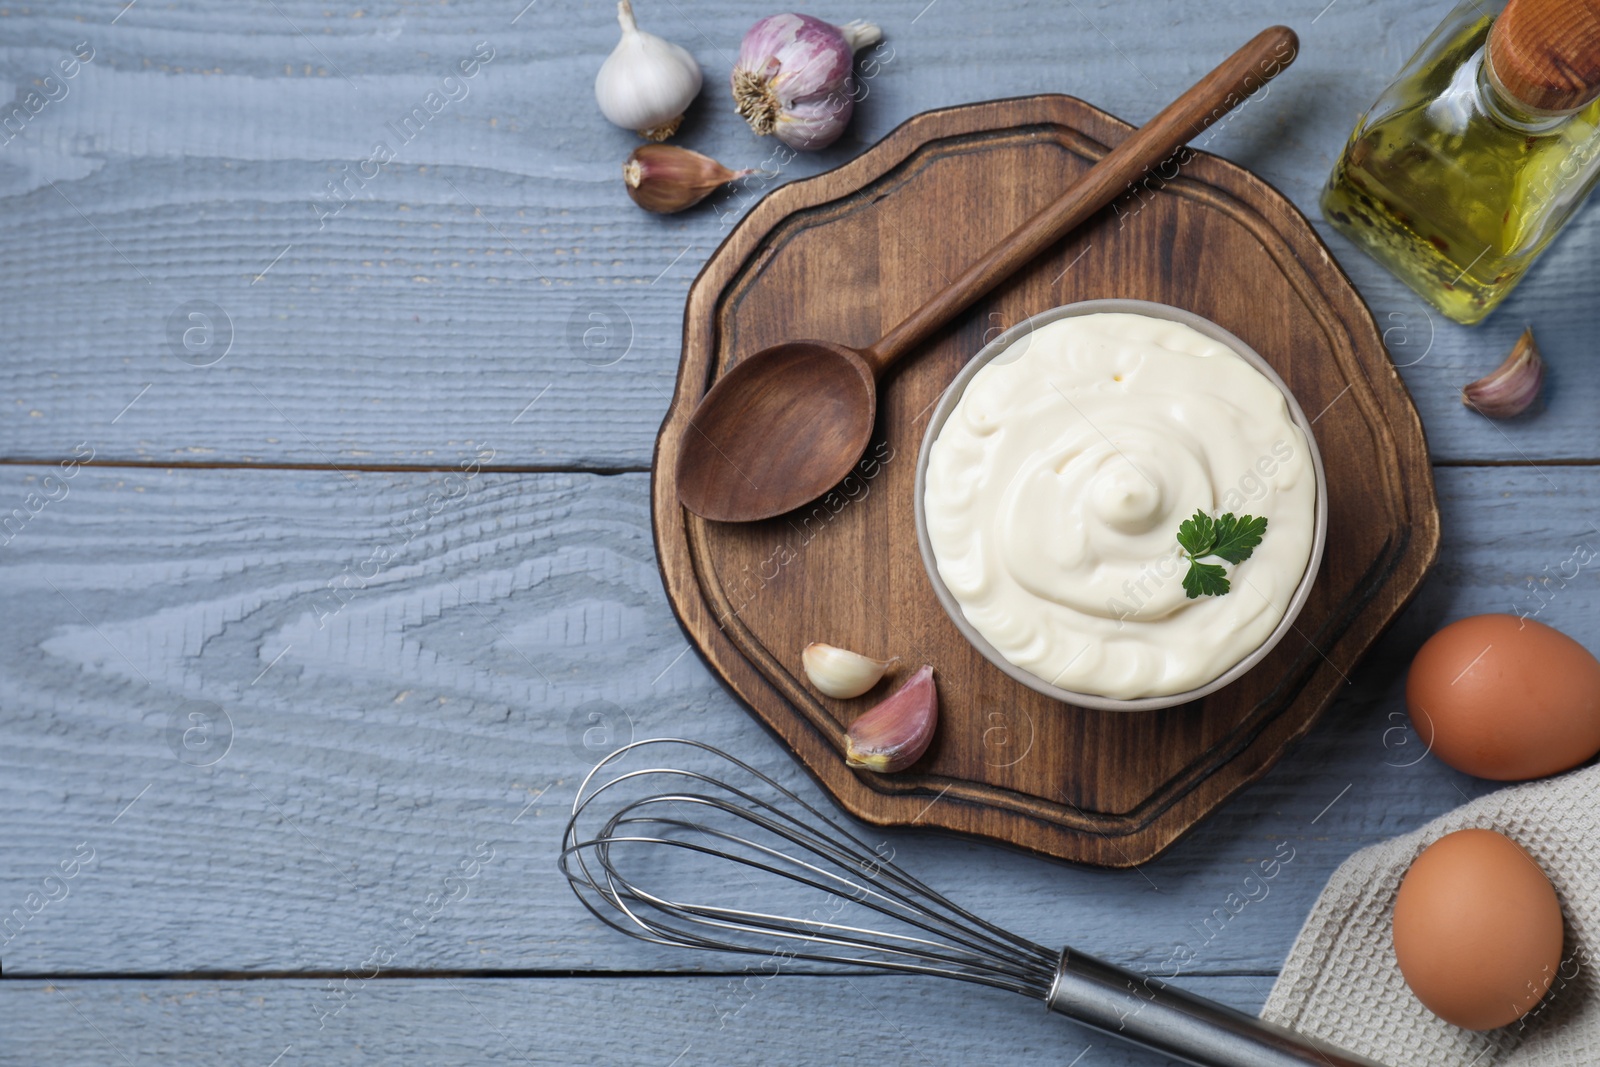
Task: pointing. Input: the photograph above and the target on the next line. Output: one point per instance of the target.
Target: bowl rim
(957, 387)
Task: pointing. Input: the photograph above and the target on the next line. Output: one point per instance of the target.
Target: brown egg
(1506, 698)
(1477, 929)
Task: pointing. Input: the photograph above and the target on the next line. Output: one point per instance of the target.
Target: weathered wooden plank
(495, 263)
(652, 1022)
(444, 702)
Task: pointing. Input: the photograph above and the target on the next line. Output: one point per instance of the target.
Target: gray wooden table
(240, 757)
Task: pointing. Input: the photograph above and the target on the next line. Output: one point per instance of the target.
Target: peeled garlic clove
(795, 78)
(1513, 386)
(838, 672)
(646, 83)
(895, 734)
(664, 178)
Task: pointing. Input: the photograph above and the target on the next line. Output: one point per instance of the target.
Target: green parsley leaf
(1197, 534)
(1237, 538)
(1229, 538)
(1205, 579)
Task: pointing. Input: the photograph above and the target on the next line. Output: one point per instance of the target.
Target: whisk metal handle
(1145, 1010)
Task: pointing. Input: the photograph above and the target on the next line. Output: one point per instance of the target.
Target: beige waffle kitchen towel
(1341, 981)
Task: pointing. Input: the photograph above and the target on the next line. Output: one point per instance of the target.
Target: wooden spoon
(787, 423)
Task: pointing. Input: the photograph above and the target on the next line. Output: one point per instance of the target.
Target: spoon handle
(1213, 96)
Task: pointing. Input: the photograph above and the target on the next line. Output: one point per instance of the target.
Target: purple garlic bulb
(794, 77)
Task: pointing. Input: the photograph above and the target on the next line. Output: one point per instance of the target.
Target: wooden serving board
(847, 254)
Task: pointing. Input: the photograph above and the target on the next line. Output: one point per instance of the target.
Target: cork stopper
(1546, 53)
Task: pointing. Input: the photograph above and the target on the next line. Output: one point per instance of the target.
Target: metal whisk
(720, 838)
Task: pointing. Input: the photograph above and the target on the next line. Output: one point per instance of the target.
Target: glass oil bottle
(1478, 153)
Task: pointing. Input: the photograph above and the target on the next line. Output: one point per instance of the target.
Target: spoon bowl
(814, 400)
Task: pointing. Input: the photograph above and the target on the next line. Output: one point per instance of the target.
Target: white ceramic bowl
(946, 405)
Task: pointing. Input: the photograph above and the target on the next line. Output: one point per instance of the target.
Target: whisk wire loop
(927, 934)
(802, 833)
(890, 902)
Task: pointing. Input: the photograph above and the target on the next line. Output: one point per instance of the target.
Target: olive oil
(1452, 180)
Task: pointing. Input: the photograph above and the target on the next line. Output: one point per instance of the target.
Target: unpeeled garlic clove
(840, 673)
(664, 178)
(895, 734)
(1511, 387)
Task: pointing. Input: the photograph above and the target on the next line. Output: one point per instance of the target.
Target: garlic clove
(665, 178)
(1513, 386)
(895, 734)
(794, 77)
(840, 673)
(646, 83)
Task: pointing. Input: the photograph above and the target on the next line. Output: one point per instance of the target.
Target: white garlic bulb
(646, 83)
(840, 673)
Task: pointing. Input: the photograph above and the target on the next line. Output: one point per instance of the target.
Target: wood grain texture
(377, 752)
(417, 323)
(1124, 167)
(1104, 788)
(694, 1022)
(1547, 53)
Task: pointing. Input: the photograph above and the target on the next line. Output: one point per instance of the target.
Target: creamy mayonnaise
(1056, 486)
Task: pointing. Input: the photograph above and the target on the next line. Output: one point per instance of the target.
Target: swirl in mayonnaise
(1056, 486)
